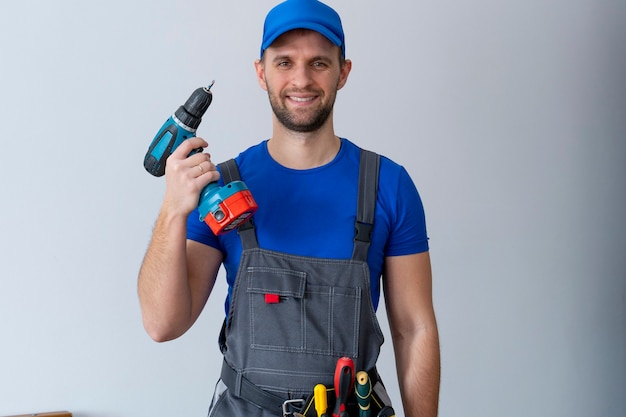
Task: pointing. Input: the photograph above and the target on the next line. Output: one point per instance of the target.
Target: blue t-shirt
(312, 212)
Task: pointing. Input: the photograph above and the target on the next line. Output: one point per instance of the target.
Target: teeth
(301, 99)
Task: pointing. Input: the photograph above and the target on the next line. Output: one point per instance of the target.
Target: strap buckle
(363, 231)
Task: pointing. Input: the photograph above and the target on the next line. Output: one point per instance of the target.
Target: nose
(301, 76)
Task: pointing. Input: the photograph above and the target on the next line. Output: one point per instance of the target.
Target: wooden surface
(53, 414)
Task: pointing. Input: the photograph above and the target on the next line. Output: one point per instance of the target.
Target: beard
(305, 121)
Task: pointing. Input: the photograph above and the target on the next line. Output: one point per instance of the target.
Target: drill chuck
(221, 208)
(190, 114)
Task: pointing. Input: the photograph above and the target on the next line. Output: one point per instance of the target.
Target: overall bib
(291, 317)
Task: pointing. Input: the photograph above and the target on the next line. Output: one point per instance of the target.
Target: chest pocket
(289, 313)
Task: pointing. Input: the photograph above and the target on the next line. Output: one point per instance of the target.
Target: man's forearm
(163, 288)
(418, 366)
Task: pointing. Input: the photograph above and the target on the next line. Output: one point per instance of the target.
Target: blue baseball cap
(303, 14)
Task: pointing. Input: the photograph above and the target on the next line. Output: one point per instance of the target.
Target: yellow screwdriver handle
(321, 401)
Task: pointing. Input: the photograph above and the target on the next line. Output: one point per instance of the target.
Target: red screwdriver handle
(344, 380)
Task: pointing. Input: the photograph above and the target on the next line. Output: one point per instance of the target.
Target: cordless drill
(221, 208)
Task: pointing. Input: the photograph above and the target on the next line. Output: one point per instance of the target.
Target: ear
(259, 67)
(343, 74)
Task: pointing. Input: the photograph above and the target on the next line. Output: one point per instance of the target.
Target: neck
(303, 150)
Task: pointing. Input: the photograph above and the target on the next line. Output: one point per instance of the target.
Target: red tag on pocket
(272, 298)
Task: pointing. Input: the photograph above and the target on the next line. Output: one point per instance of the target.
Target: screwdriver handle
(321, 401)
(344, 379)
(363, 390)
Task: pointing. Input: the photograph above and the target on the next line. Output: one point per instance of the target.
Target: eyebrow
(280, 58)
(315, 58)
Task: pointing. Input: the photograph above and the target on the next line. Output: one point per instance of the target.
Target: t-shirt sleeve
(200, 232)
(408, 227)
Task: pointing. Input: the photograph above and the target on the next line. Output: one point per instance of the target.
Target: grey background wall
(510, 116)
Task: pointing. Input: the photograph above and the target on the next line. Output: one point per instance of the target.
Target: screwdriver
(321, 402)
(363, 392)
(344, 378)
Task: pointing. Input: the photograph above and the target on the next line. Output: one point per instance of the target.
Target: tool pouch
(378, 400)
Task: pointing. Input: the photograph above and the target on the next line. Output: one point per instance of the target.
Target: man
(302, 288)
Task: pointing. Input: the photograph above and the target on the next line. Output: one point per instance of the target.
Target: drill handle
(167, 139)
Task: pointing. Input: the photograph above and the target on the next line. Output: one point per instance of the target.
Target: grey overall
(292, 317)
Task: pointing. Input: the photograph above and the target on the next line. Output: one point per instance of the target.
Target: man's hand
(186, 176)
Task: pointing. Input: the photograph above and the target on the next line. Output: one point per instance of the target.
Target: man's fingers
(206, 167)
(189, 145)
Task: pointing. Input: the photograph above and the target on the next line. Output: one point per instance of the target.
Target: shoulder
(400, 211)
(391, 173)
(253, 154)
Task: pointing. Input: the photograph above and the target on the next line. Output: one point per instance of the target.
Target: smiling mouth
(301, 99)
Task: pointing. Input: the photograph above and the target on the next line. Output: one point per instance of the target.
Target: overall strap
(366, 204)
(230, 172)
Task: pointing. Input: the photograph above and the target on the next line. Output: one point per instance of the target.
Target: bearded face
(301, 111)
(302, 72)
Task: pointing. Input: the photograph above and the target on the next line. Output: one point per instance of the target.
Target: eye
(320, 64)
